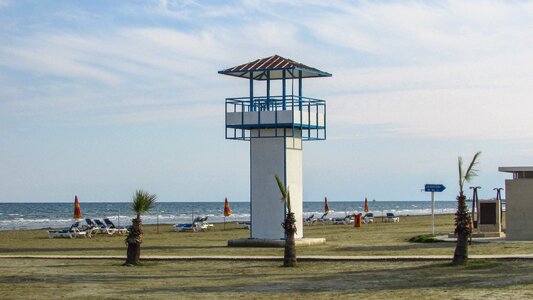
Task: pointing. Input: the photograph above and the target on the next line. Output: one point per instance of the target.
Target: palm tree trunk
(460, 256)
(134, 241)
(289, 259)
(462, 231)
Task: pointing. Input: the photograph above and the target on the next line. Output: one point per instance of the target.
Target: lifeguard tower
(275, 125)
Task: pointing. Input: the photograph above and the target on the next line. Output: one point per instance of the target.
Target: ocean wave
(22, 223)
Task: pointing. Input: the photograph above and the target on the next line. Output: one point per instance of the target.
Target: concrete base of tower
(274, 242)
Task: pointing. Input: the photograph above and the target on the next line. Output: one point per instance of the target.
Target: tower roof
(275, 64)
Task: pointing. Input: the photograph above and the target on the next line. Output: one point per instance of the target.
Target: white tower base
(272, 156)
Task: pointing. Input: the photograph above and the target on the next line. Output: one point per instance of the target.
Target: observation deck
(303, 113)
(286, 115)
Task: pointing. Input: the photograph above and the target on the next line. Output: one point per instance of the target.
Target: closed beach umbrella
(326, 206)
(227, 210)
(77, 209)
(366, 204)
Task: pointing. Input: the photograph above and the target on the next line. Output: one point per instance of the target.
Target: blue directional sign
(434, 188)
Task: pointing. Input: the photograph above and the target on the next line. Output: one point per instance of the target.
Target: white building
(519, 203)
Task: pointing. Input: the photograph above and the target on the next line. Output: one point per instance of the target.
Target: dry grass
(47, 279)
(372, 239)
(209, 279)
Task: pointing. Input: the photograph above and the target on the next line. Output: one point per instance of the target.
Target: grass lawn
(46, 279)
(36, 278)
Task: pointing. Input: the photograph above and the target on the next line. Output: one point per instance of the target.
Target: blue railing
(311, 120)
(272, 103)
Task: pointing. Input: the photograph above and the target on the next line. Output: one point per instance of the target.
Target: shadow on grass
(128, 273)
(309, 278)
(442, 276)
(67, 250)
(403, 247)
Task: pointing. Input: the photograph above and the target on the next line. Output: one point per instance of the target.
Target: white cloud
(419, 32)
(460, 58)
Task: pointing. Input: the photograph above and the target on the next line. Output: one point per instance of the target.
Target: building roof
(275, 64)
(515, 169)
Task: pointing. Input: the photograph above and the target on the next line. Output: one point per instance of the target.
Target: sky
(100, 98)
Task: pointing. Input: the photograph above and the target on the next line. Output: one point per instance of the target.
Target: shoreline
(59, 215)
(218, 220)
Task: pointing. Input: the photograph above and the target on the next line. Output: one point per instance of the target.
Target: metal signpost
(433, 188)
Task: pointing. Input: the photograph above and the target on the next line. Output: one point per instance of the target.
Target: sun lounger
(187, 226)
(72, 232)
(324, 219)
(346, 220)
(368, 218)
(65, 233)
(202, 223)
(244, 224)
(120, 230)
(198, 224)
(184, 227)
(310, 220)
(391, 218)
(104, 228)
(91, 227)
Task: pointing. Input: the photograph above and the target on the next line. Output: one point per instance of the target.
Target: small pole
(475, 201)
(118, 217)
(433, 213)
(192, 216)
(499, 197)
(157, 227)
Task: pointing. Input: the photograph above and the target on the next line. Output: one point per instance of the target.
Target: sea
(15, 216)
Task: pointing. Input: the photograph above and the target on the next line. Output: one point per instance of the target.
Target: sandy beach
(50, 278)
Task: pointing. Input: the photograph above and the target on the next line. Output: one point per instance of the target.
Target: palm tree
(142, 202)
(289, 225)
(462, 217)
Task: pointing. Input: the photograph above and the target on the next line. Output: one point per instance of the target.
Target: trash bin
(358, 222)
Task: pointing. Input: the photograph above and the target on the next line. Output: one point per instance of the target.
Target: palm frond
(472, 172)
(461, 180)
(281, 189)
(285, 194)
(288, 201)
(143, 201)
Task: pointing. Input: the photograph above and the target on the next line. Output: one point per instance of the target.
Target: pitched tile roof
(274, 66)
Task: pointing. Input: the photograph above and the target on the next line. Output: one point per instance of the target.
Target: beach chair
(120, 230)
(391, 218)
(72, 232)
(65, 233)
(201, 224)
(91, 227)
(198, 224)
(243, 224)
(104, 228)
(310, 220)
(183, 227)
(368, 218)
(186, 226)
(324, 219)
(346, 220)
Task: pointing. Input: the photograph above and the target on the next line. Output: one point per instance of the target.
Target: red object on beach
(227, 210)
(366, 204)
(326, 206)
(77, 209)
(358, 222)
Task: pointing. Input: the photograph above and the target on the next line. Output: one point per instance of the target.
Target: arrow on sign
(434, 188)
